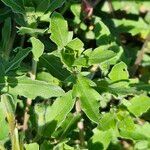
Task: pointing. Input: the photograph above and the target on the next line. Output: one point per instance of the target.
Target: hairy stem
(29, 101)
(80, 124)
(140, 55)
(13, 131)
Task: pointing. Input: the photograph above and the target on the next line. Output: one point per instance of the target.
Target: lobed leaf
(88, 98)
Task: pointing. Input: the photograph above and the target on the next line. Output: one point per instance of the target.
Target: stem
(140, 55)
(29, 101)
(67, 5)
(111, 8)
(88, 7)
(22, 41)
(11, 122)
(96, 2)
(80, 124)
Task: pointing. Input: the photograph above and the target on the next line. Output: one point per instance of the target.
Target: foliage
(74, 75)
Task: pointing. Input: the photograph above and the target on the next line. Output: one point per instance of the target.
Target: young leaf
(21, 85)
(76, 10)
(31, 31)
(71, 51)
(54, 115)
(139, 105)
(37, 48)
(17, 59)
(88, 98)
(59, 30)
(68, 56)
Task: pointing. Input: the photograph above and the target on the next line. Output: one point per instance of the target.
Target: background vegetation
(75, 74)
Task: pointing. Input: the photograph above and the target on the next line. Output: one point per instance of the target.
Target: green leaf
(141, 132)
(107, 121)
(9, 104)
(59, 30)
(128, 6)
(141, 87)
(63, 146)
(46, 145)
(141, 145)
(139, 105)
(119, 72)
(15, 6)
(116, 88)
(98, 56)
(68, 56)
(21, 85)
(42, 5)
(76, 44)
(102, 33)
(52, 117)
(4, 13)
(67, 126)
(54, 66)
(76, 10)
(126, 123)
(100, 140)
(71, 51)
(14, 64)
(32, 146)
(6, 33)
(133, 27)
(54, 4)
(88, 98)
(4, 126)
(47, 77)
(37, 48)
